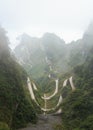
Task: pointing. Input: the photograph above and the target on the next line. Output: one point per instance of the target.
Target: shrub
(4, 126)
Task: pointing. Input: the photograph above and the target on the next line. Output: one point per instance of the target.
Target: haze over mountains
(50, 59)
(51, 55)
(49, 63)
(14, 100)
(46, 83)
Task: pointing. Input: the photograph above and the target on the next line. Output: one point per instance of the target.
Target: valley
(45, 97)
(46, 84)
(47, 122)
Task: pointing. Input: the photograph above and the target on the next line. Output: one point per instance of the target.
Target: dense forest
(48, 62)
(16, 106)
(78, 106)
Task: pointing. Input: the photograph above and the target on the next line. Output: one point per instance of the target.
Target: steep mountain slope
(51, 59)
(50, 55)
(16, 107)
(78, 106)
(40, 56)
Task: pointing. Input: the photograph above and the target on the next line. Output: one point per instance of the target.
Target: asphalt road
(45, 123)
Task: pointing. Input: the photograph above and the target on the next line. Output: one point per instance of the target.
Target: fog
(46, 64)
(67, 19)
(4, 42)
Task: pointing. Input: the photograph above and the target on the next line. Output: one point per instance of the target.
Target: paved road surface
(44, 123)
(71, 83)
(55, 92)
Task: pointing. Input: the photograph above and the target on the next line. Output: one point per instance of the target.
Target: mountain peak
(89, 30)
(53, 37)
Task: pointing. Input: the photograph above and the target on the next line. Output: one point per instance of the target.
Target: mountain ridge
(50, 53)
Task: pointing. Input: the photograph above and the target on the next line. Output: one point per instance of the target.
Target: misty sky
(66, 18)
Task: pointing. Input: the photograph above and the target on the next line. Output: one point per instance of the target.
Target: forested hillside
(51, 64)
(61, 61)
(16, 107)
(78, 106)
(46, 64)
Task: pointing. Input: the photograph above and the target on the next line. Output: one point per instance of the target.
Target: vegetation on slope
(16, 108)
(78, 106)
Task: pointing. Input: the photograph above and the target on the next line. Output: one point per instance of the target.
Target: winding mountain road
(55, 92)
(65, 83)
(72, 84)
(58, 111)
(45, 98)
(34, 86)
(60, 101)
(45, 109)
(31, 91)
